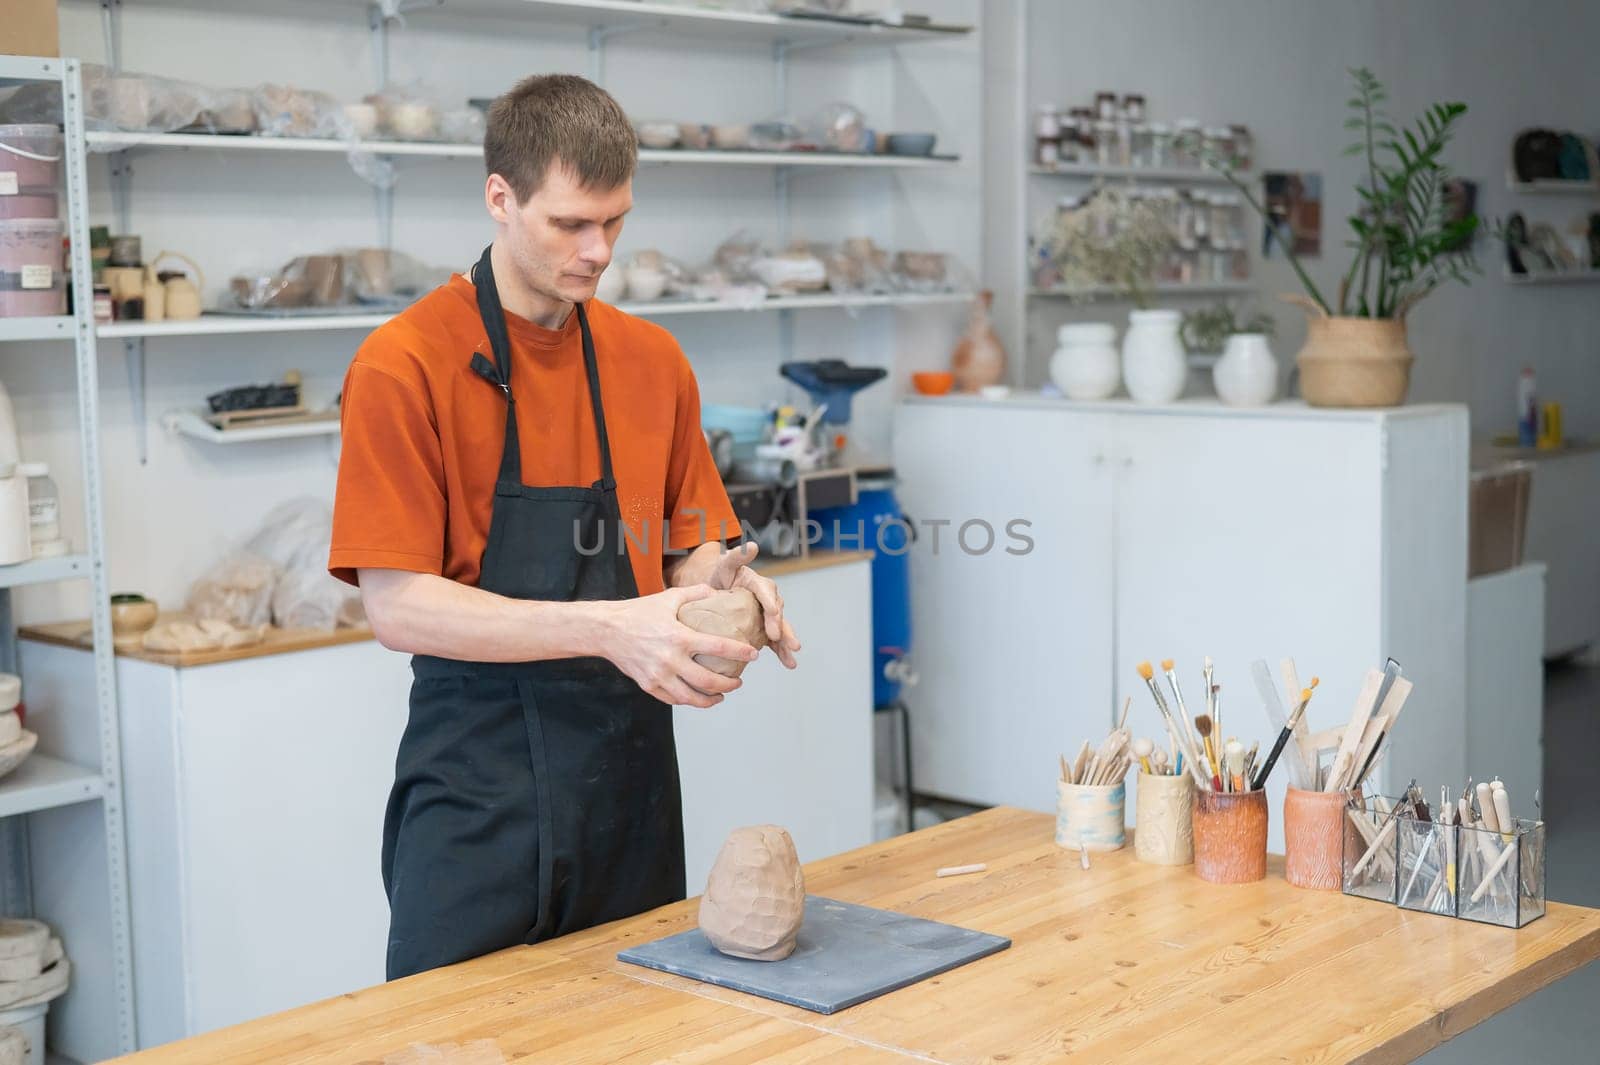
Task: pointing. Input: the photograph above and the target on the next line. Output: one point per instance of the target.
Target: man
(494, 434)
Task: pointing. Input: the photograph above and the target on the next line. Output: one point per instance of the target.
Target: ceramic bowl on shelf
(933, 382)
(911, 143)
(731, 137)
(132, 615)
(658, 134)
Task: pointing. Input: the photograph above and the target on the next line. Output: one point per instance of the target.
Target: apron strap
(499, 374)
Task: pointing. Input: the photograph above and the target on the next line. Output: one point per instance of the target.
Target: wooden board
(276, 642)
(1120, 962)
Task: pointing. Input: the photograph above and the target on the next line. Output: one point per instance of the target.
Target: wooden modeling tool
(961, 870)
(1381, 725)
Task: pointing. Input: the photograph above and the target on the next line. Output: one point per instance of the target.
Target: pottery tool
(1497, 818)
(1190, 750)
(961, 870)
(1383, 833)
(1366, 703)
(1122, 722)
(1083, 853)
(1142, 749)
(1283, 737)
(1502, 810)
(1163, 765)
(1233, 755)
(1380, 728)
(1300, 773)
(1250, 759)
(1203, 725)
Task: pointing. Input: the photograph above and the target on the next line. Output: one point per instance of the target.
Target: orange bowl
(933, 383)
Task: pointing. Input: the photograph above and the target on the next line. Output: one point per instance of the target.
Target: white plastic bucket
(30, 1019)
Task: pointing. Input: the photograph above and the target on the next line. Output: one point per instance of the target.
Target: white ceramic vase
(1154, 367)
(1247, 373)
(1085, 364)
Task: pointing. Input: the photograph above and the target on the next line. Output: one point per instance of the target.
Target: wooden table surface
(1123, 962)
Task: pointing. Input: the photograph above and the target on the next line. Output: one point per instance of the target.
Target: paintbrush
(1203, 725)
(1148, 674)
(1283, 737)
(1216, 712)
(1233, 755)
(1171, 672)
(1250, 760)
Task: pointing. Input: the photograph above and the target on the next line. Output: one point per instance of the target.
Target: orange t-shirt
(423, 435)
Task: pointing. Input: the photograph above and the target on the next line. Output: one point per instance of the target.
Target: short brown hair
(551, 117)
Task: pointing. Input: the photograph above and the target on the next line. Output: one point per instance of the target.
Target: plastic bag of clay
(778, 135)
(795, 270)
(839, 127)
(384, 276)
(295, 537)
(858, 266)
(237, 590)
(928, 271)
(735, 258)
(307, 281)
(285, 111)
(405, 113)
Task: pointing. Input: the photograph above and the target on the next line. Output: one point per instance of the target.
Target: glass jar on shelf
(1221, 264)
(1141, 146)
(1080, 126)
(1105, 143)
(1186, 260)
(1222, 219)
(1133, 111)
(1124, 144)
(1160, 145)
(1184, 225)
(1105, 106)
(44, 502)
(1202, 217)
(1244, 147)
(1218, 141)
(1240, 261)
(1186, 143)
(1046, 137)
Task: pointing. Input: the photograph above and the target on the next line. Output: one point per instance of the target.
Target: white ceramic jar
(1247, 373)
(1085, 364)
(1154, 367)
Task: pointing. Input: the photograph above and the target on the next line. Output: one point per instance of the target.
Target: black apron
(531, 799)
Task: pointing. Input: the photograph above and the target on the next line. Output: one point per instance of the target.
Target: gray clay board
(845, 954)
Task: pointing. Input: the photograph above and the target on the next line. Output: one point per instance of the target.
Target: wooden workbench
(1123, 962)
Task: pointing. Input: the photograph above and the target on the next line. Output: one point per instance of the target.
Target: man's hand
(733, 571)
(648, 643)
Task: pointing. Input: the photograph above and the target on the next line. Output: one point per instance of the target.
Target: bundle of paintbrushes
(1106, 765)
(1215, 765)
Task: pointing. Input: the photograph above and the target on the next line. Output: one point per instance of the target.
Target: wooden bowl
(933, 383)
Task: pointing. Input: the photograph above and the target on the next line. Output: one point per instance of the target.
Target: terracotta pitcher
(979, 359)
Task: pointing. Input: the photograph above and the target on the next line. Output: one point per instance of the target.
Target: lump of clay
(756, 895)
(734, 614)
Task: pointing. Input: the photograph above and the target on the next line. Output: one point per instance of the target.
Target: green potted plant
(1406, 245)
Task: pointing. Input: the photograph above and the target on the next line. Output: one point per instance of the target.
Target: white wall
(234, 211)
(1280, 68)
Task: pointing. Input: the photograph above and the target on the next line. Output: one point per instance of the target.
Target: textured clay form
(1313, 838)
(756, 895)
(1230, 836)
(734, 614)
(1165, 827)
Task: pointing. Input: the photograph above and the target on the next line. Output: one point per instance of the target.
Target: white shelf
(1553, 186)
(118, 141)
(222, 324)
(1193, 174)
(191, 424)
(1563, 277)
(1161, 288)
(29, 68)
(53, 328)
(44, 570)
(44, 783)
(682, 18)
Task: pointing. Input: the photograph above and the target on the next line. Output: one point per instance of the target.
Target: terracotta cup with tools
(1313, 838)
(1230, 836)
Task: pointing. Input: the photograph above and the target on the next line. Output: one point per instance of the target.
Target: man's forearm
(421, 613)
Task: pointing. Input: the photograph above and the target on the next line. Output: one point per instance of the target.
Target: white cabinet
(1334, 537)
(255, 792)
(1014, 649)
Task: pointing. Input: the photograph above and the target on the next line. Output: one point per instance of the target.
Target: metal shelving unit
(1159, 288)
(101, 998)
(112, 141)
(1193, 175)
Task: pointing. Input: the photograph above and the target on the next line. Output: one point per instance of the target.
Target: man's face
(562, 236)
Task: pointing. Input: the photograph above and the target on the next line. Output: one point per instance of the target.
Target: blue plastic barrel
(876, 523)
